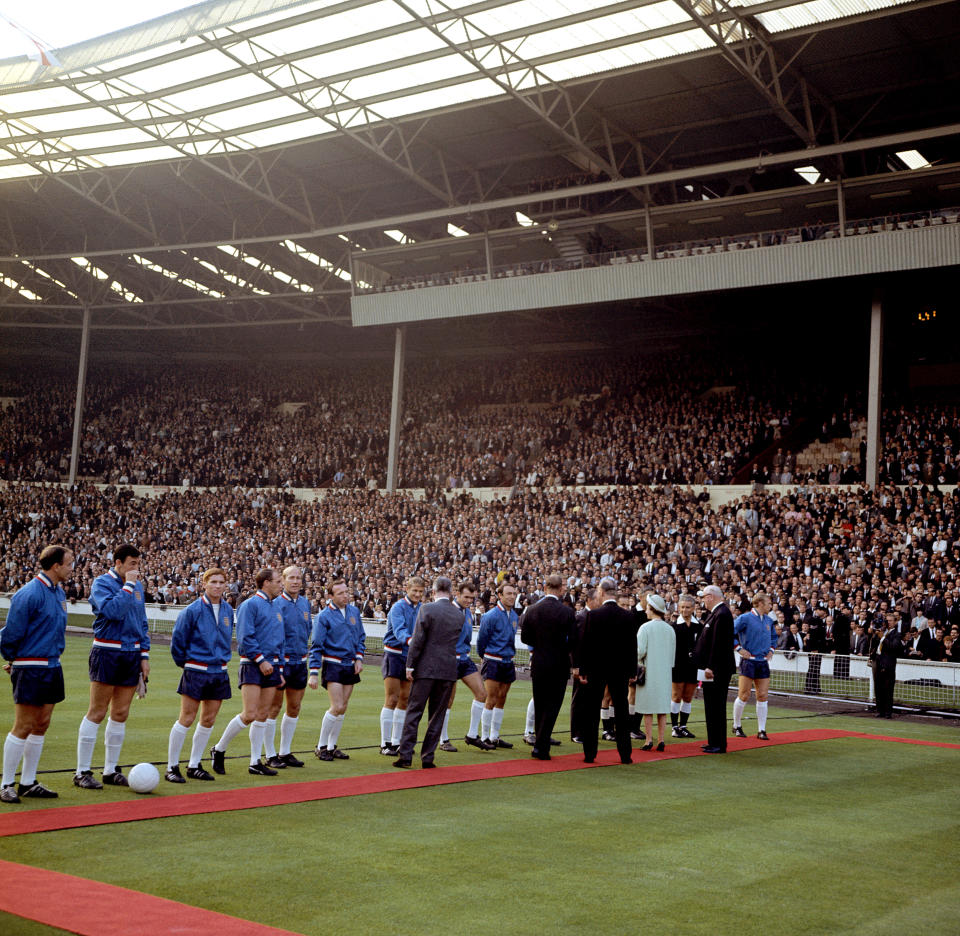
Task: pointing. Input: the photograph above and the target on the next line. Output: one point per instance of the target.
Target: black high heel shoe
(660, 747)
(647, 747)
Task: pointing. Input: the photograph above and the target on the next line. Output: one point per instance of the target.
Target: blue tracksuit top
(260, 631)
(757, 635)
(121, 616)
(338, 636)
(296, 627)
(200, 641)
(401, 619)
(497, 639)
(466, 636)
(35, 632)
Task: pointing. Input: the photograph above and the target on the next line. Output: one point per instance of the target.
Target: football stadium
(462, 456)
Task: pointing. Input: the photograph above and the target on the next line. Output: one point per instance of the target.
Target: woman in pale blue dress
(656, 648)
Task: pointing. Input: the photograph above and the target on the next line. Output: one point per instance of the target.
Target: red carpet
(21, 822)
(94, 909)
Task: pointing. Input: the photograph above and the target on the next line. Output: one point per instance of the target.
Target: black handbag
(641, 675)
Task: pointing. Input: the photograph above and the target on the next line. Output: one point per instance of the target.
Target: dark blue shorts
(465, 668)
(338, 673)
(115, 667)
(197, 685)
(755, 669)
(295, 675)
(250, 675)
(394, 666)
(499, 671)
(37, 685)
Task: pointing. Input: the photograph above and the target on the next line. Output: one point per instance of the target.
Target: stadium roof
(220, 164)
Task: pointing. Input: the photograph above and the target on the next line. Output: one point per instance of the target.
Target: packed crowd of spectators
(821, 553)
(620, 418)
(921, 444)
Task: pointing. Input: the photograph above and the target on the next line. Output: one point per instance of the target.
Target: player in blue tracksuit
(119, 659)
(260, 644)
(466, 671)
(336, 659)
(396, 687)
(755, 637)
(297, 625)
(201, 646)
(496, 644)
(31, 643)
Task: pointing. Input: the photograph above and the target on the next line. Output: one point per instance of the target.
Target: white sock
(234, 727)
(12, 752)
(178, 734)
(288, 725)
(486, 720)
(497, 722)
(531, 725)
(86, 739)
(335, 729)
(613, 712)
(399, 717)
(674, 708)
(269, 738)
(386, 725)
(761, 717)
(325, 726)
(476, 713)
(686, 707)
(112, 744)
(631, 709)
(738, 706)
(444, 731)
(256, 732)
(201, 736)
(31, 758)
(606, 713)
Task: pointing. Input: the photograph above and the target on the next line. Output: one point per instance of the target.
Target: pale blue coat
(656, 648)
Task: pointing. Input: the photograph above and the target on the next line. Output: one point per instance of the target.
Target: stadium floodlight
(809, 174)
(172, 274)
(265, 267)
(399, 236)
(97, 273)
(51, 278)
(524, 221)
(230, 277)
(455, 231)
(913, 159)
(17, 287)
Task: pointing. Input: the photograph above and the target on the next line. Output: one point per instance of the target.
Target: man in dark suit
(714, 655)
(549, 628)
(607, 656)
(432, 665)
(841, 642)
(928, 644)
(884, 658)
(577, 695)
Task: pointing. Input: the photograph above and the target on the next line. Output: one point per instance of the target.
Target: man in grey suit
(432, 665)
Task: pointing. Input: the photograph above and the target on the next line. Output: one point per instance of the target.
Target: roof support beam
(747, 46)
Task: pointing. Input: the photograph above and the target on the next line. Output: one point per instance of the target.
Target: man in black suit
(884, 658)
(607, 656)
(577, 695)
(928, 645)
(841, 641)
(432, 665)
(549, 628)
(714, 655)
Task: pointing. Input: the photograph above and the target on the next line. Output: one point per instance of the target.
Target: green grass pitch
(841, 837)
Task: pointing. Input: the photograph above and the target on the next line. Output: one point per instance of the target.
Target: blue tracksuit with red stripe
(401, 619)
(497, 639)
(35, 632)
(260, 631)
(338, 636)
(202, 642)
(121, 616)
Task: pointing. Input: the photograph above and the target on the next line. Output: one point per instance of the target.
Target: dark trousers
(425, 692)
(592, 695)
(549, 687)
(812, 683)
(841, 667)
(715, 711)
(883, 680)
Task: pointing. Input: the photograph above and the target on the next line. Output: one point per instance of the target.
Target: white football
(143, 778)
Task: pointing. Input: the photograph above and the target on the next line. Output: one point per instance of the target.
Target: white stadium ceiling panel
(232, 75)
